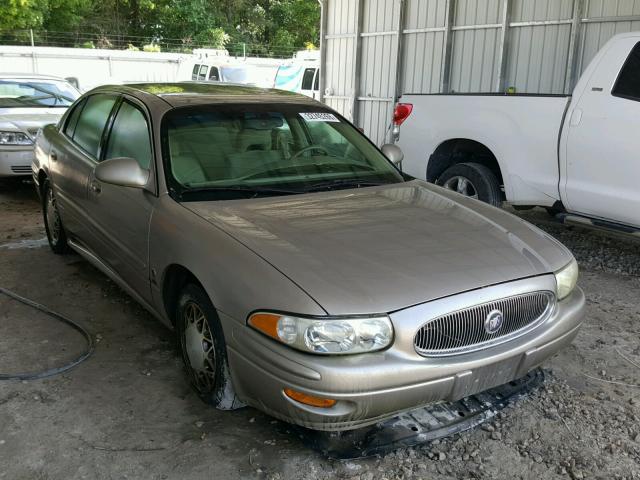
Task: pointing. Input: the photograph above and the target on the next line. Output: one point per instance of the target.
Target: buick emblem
(493, 322)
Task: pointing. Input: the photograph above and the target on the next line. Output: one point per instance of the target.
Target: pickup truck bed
(520, 132)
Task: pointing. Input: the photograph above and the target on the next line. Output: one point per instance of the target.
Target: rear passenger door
(73, 157)
(121, 215)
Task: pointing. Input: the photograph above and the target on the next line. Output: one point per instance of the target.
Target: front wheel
(472, 180)
(56, 234)
(203, 349)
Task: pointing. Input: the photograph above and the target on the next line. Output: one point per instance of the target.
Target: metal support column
(397, 88)
(503, 53)
(574, 45)
(357, 59)
(323, 49)
(445, 72)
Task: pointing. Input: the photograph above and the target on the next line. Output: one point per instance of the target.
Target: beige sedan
(304, 274)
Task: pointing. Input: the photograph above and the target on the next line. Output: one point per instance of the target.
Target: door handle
(54, 157)
(95, 187)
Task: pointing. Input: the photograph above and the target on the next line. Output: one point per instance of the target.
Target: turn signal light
(309, 399)
(401, 113)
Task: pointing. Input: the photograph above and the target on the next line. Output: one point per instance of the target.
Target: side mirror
(122, 171)
(393, 153)
(73, 81)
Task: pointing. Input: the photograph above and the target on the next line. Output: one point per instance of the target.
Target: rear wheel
(202, 347)
(472, 180)
(56, 234)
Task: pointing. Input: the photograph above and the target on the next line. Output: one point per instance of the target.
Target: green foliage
(20, 14)
(88, 44)
(151, 47)
(213, 38)
(185, 24)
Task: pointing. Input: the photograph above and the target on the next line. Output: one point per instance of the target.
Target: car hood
(29, 120)
(380, 249)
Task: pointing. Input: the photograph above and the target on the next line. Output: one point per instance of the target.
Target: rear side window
(72, 121)
(129, 136)
(213, 74)
(91, 123)
(307, 78)
(194, 72)
(628, 83)
(203, 72)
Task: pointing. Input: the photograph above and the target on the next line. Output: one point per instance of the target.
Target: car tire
(56, 234)
(203, 349)
(472, 180)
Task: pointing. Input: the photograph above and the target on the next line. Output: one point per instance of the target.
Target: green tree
(22, 14)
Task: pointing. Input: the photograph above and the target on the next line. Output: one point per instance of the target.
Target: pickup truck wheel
(472, 180)
(56, 234)
(203, 349)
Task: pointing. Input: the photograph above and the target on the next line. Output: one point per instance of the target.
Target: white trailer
(92, 67)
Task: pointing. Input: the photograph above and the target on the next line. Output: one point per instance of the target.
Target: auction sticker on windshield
(319, 117)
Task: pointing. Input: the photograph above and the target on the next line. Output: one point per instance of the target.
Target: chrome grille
(464, 331)
(21, 168)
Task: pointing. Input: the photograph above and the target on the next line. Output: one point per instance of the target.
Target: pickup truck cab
(578, 155)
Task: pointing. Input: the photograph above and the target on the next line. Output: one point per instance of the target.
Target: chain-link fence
(47, 38)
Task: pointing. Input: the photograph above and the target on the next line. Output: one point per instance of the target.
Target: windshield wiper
(341, 183)
(257, 190)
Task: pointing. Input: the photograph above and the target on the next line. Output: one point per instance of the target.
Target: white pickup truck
(578, 155)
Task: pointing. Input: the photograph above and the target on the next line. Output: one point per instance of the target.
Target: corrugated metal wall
(375, 50)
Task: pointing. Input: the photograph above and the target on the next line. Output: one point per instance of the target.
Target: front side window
(91, 123)
(307, 78)
(628, 83)
(36, 93)
(129, 136)
(213, 74)
(221, 152)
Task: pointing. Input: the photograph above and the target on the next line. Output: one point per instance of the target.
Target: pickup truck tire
(472, 180)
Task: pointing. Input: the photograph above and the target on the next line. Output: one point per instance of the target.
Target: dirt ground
(128, 413)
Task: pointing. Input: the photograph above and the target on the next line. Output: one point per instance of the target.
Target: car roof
(197, 93)
(29, 76)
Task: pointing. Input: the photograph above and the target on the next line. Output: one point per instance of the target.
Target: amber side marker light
(309, 399)
(266, 322)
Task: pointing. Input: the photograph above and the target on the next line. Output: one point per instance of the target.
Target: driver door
(121, 215)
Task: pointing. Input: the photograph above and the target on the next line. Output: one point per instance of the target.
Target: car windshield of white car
(36, 93)
(241, 151)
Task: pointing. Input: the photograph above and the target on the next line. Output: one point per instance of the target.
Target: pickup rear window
(628, 83)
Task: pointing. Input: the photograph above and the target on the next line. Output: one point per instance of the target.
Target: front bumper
(371, 387)
(16, 161)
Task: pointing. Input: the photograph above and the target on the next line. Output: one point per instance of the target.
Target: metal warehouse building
(373, 51)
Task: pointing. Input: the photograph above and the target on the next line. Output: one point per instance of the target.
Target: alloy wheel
(199, 347)
(53, 217)
(461, 185)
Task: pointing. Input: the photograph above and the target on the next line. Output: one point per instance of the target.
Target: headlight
(566, 279)
(15, 138)
(326, 335)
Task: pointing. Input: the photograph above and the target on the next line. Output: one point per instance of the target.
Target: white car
(577, 155)
(27, 103)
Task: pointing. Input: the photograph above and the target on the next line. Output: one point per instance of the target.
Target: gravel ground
(128, 413)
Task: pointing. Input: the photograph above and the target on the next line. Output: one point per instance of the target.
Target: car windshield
(240, 151)
(36, 93)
